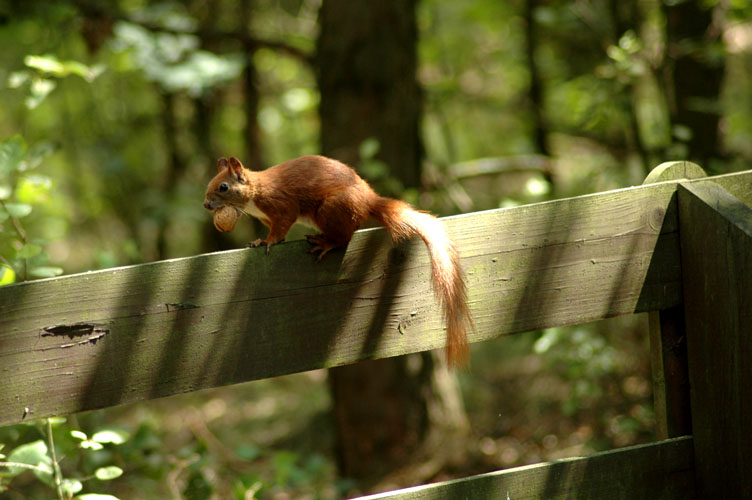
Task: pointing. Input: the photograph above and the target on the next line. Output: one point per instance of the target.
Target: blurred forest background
(112, 116)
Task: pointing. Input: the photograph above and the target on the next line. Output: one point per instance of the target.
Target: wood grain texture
(674, 170)
(99, 339)
(658, 471)
(668, 339)
(716, 240)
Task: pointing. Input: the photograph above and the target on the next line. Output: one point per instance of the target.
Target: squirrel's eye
(223, 187)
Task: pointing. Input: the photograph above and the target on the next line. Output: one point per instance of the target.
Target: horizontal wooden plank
(99, 339)
(658, 471)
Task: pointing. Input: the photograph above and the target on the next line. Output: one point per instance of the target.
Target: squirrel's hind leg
(321, 243)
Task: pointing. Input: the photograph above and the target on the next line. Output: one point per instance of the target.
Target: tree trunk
(535, 90)
(388, 412)
(172, 173)
(253, 157)
(366, 56)
(695, 77)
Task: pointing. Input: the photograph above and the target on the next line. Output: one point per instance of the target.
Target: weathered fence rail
(655, 470)
(679, 249)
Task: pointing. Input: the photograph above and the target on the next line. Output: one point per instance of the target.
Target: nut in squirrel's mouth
(225, 218)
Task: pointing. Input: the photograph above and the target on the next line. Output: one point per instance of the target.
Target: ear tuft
(222, 164)
(237, 168)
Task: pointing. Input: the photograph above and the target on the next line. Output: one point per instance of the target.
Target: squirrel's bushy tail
(402, 222)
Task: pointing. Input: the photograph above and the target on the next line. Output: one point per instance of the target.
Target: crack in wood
(92, 331)
(76, 330)
(91, 340)
(179, 306)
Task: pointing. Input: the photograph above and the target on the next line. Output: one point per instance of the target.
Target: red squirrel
(329, 196)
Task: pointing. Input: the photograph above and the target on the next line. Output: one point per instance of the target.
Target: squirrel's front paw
(256, 243)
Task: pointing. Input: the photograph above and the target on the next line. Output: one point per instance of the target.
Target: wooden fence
(679, 247)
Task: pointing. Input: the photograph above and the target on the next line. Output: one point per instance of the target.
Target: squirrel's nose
(207, 205)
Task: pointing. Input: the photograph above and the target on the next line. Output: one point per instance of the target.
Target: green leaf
(46, 271)
(12, 153)
(39, 90)
(52, 66)
(79, 435)
(18, 78)
(18, 210)
(28, 251)
(91, 445)
(33, 189)
(7, 275)
(114, 436)
(5, 191)
(47, 64)
(88, 73)
(34, 453)
(72, 486)
(108, 473)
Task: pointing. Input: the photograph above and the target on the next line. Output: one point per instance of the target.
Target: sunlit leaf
(18, 78)
(91, 445)
(33, 189)
(108, 473)
(537, 187)
(39, 90)
(96, 496)
(46, 64)
(72, 486)
(34, 453)
(45, 271)
(52, 66)
(18, 210)
(79, 435)
(114, 436)
(5, 192)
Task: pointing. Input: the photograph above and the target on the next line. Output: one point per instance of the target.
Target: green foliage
(174, 61)
(37, 457)
(39, 81)
(107, 180)
(21, 191)
(581, 356)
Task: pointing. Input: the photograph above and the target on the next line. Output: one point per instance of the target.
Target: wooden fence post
(716, 248)
(668, 341)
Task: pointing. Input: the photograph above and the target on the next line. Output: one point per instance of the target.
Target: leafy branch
(20, 191)
(41, 457)
(97, 11)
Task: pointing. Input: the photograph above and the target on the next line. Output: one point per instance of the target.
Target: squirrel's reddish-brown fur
(329, 196)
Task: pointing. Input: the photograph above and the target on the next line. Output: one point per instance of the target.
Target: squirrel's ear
(237, 167)
(222, 164)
